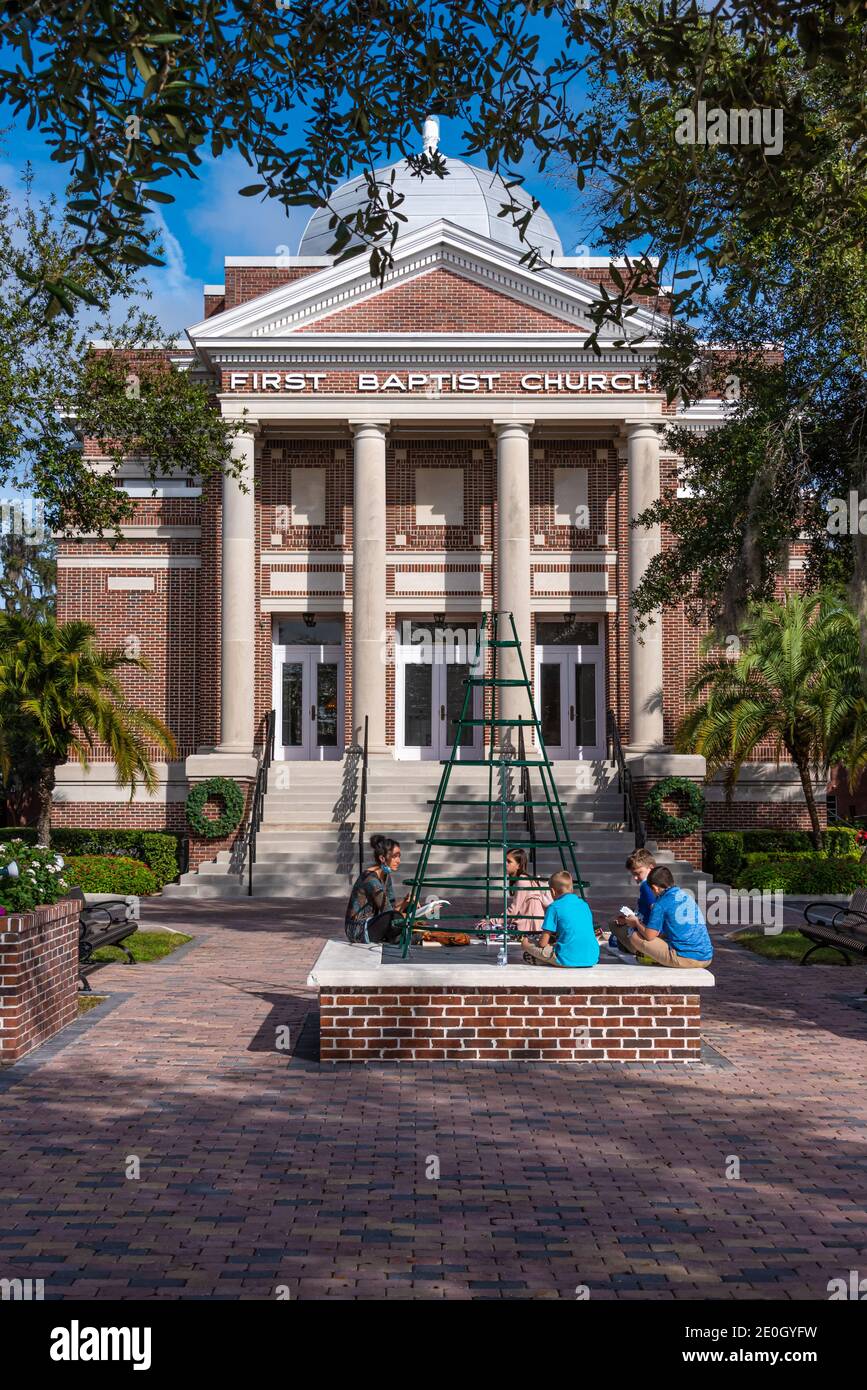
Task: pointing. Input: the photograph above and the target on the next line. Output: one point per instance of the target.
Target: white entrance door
(308, 702)
(570, 700)
(432, 663)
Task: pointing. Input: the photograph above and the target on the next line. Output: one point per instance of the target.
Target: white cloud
(176, 295)
(236, 226)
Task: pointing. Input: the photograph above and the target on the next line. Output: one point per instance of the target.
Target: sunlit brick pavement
(259, 1172)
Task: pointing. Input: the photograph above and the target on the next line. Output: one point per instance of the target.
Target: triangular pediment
(445, 281)
(442, 301)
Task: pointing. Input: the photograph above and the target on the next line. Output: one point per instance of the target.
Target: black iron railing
(625, 784)
(362, 801)
(257, 805)
(527, 798)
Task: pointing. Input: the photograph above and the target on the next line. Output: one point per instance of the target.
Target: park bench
(843, 929)
(107, 923)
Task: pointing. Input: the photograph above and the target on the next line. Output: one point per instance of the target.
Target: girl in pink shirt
(528, 898)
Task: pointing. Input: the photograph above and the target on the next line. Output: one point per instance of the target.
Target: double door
(308, 688)
(430, 684)
(570, 701)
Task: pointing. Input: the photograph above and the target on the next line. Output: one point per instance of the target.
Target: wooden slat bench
(108, 923)
(843, 929)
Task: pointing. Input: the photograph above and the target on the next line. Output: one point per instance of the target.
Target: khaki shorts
(540, 955)
(658, 950)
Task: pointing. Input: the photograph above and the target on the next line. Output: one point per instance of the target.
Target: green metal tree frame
(500, 759)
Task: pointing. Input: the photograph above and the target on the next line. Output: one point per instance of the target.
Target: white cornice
(378, 346)
(282, 261)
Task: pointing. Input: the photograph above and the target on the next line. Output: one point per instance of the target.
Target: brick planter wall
(38, 976)
(461, 1023)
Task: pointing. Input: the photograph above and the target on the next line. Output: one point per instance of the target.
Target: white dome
(467, 196)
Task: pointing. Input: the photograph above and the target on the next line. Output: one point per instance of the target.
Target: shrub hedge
(840, 841)
(157, 849)
(723, 854)
(803, 874)
(110, 873)
(726, 851)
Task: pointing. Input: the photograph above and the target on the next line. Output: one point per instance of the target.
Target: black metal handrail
(527, 796)
(625, 783)
(362, 801)
(257, 805)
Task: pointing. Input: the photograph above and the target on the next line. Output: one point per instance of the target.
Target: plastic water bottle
(503, 954)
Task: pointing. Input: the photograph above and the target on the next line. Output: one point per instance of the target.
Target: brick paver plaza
(260, 1170)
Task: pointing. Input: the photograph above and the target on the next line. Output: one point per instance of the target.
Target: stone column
(513, 557)
(645, 648)
(238, 610)
(368, 583)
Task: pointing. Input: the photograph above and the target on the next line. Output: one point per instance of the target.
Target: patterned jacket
(368, 898)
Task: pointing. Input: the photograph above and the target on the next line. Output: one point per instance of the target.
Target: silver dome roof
(467, 196)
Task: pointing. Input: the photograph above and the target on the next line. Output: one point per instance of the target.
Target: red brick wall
(760, 815)
(245, 282)
(440, 302)
(548, 1024)
(477, 486)
(38, 976)
(117, 815)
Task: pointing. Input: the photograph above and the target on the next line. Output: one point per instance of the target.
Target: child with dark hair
(640, 865)
(372, 909)
(529, 898)
(676, 933)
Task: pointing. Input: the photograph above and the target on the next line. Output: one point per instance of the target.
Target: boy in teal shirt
(569, 922)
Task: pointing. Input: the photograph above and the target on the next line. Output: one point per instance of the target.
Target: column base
(217, 762)
(653, 764)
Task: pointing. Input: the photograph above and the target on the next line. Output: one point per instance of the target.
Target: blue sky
(209, 220)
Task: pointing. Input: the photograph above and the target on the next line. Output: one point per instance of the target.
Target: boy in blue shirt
(639, 864)
(569, 922)
(676, 933)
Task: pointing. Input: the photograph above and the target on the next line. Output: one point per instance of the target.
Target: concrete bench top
(342, 962)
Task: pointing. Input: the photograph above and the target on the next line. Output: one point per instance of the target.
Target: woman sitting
(371, 910)
(528, 897)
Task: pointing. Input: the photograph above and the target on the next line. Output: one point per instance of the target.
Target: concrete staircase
(308, 843)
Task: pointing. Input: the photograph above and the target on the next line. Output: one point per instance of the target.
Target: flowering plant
(40, 878)
(861, 837)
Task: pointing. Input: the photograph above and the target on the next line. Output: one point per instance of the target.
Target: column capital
(252, 425)
(633, 428)
(524, 426)
(357, 426)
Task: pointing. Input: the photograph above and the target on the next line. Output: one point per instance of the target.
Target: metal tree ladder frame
(501, 759)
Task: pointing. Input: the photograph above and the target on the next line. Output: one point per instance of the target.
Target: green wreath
(662, 821)
(215, 827)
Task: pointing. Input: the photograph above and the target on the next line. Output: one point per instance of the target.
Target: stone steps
(308, 841)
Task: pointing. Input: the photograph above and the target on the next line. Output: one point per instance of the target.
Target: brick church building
(416, 454)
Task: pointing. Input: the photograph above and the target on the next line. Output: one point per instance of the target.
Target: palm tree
(796, 687)
(60, 696)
